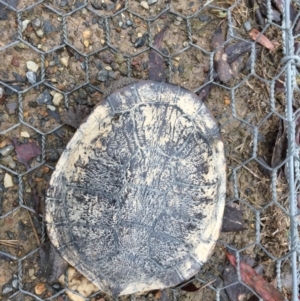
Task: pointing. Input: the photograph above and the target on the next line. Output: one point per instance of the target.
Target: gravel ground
(65, 54)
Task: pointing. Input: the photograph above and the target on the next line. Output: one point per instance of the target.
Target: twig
(254, 174)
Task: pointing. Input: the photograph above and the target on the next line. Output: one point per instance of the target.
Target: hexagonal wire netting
(58, 54)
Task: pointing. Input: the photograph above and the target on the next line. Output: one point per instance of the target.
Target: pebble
(25, 135)
(139, 34)
(30, 272)
(8, 180)
(65, 61)
(25, 24)
(86, 43)
(8, 161)
(144, 4)
(39, 33)
(119, 58)
(57, 98)
(247, 25)
(108, 68)
(6, 289)
(21, 45)
(150, 2)
(36, 23)
(112, 75)
(2, 95)
(176, 23)
(40, 288)
(140, 42)
(15, 282)
(48, 27)
(107, 58)
(44, 98)
(11, 107)
(180, 69)
(204, 18)
(87, 34)
(5, 151)
(114, 66)
(32, 66)
(102, 75)
(31, 76)
(15, 61)
(51, 108)
(129, 23)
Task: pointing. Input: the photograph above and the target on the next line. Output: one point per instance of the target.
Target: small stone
(204, 18)
(180, 69)
(44, 98)
(102, 75)
(15, 61)
(144, 4)
(11, 107)
(8, 161)
(119, 58)
(112, 75)
(86, 43)
(150, 2)
(87, 34)
(114, 66)
(36, 23)
(15, 282)
(25, 135)
(178, 18)
(48, 27)
(51, 108)
(2, 95)
(107, 58)
(102, 42)
(177, 58)
(108, 68)
(6, 289)
(185, 44)
(140, 42)
(65, 61)
(32, 66)
(129, 23)
(21, 45)
(139, 35)
(5, 151)
(40, 288)
(30, 272)
(31, 76)
(248, 26)
(57, 98)
(25, 24)
(39, 33)
(176, 23)
(8, 180)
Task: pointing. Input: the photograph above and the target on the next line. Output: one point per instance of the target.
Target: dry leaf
(220, 59)
(261, 39)
(26, 151)
(156, 61)
(233, 220)
(256, 282)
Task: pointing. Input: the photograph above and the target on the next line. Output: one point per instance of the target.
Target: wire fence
(65, 54)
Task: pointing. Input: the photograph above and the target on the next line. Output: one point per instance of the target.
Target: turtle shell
(137, 198)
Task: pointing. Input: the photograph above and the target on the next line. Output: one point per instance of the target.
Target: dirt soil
(84, 70)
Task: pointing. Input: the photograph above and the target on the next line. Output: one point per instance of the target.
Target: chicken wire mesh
(65, 54)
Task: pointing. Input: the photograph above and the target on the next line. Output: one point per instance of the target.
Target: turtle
(136, 200)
